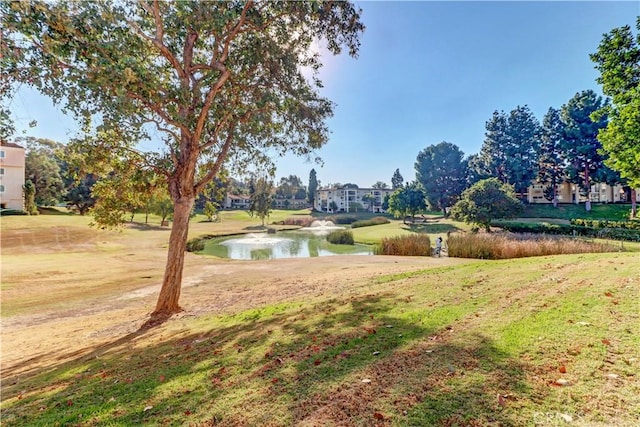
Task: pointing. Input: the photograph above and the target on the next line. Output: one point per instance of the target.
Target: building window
(1, 154)
(1, 171)
(1, 188)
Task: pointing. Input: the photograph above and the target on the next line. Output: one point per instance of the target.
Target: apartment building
(567, 193)
(333, 200)
(12, 174)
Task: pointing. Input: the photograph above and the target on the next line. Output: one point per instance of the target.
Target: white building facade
(12, 176)
(334, 200)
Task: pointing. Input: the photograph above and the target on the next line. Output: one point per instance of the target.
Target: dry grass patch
(511, 245)
(411, 245)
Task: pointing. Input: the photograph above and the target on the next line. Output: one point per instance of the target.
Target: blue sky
(430, 72)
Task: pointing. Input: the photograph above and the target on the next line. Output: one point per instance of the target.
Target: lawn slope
(534, 341)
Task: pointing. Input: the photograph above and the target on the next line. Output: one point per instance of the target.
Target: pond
(303, 243)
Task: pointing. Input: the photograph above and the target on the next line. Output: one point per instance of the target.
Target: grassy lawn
(527, 342)
(541, 341)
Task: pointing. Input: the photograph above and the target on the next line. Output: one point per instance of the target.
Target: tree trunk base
(157, 318)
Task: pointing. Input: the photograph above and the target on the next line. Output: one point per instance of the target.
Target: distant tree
(407, 201)
(510, 147)
(261, 198)
(581, 147)
(385, 202)
(43, 168)
(312, 187)
(397, 180)
(485, 201)
(617, 61)
(289, 187)
(333, 206)
(349, 185)
(442, 171)
(380, 185)
(369, 199)
(79, 193)
(551, 164)
(29, 191)
(211, 212)
(162, 205)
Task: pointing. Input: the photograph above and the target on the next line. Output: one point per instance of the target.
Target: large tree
(617, 61)
(407, 201)
(485, 201)
(442, 171)
(580, 144)
(510, 147)
(218, 81)
(551, 163)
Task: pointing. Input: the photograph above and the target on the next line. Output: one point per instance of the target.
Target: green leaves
(617, 60)
(487, 200)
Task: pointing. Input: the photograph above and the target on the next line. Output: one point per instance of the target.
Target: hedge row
(603, 223)
(578, 230)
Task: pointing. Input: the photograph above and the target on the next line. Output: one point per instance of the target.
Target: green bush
(593, 223)
(196, 244)
(369, 222)
(340, 237)
(412, 245)
(631, 235)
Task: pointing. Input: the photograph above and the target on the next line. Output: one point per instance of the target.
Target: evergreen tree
(397, 180)
(510, 147)
(551, 164)
(617, 61)
(580, 145)
(312, 188)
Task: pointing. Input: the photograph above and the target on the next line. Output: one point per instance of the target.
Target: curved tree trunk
(170, 292)
(634, 210)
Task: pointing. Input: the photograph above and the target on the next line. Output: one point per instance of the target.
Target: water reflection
(294, 244)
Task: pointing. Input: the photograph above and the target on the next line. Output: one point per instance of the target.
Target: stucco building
(333, 200)
(12, 158)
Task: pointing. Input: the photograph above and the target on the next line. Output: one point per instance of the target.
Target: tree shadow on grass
(144, 227)
(278, 366)
(432, 228)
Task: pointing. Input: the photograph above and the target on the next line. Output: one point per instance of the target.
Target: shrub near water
(413, 245)
(369, 222)
(506, 246)
(340, 237)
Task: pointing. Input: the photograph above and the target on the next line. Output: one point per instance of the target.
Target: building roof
(10, 144)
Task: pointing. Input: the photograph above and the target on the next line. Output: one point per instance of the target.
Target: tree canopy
(397, 180)
(485, 201)
(442, 171)
(617, 60)
(510, 148)
(580, 144)
(312, 187)
(407, 200)
(218, 81)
